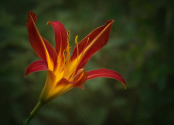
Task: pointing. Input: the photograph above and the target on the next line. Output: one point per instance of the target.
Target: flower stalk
(34, 112)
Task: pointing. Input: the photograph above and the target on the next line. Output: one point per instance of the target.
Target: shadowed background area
(141, 48)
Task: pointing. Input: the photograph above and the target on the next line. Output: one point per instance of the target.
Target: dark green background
(141, 48)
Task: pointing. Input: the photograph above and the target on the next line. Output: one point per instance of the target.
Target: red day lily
(65, 72)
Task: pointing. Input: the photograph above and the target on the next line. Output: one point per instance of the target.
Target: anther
(68, 32)
(64, 56)
(76, 39)
(48, 23)
(68, 36)
(77, 47)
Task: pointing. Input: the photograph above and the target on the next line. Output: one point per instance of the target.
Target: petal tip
(26, 73)
(124, 86)
(124, 83)
(108, 22)
(31, 13)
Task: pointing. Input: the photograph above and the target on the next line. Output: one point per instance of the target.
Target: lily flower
(65, 72)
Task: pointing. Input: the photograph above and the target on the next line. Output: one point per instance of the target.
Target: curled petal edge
(35, 67)
(106, 73)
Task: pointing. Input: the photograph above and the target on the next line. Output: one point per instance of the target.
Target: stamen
(76, 39)
(77, 47)
(81, 56)
(64, 56)
(48, 23)
(68, 47)
(67, 56)
(68, 36)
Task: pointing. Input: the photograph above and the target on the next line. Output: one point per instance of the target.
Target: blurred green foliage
(141, 48)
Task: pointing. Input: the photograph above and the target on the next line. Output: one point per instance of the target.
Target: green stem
(34, 112)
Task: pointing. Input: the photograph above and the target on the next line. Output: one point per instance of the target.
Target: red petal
(51, 51)
(106, 73)
(60, 36)
(97, 39)
(35, 38)
(36, 66)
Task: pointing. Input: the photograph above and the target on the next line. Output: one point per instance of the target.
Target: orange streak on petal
(97, 39)
(52, 54)
(36, 40)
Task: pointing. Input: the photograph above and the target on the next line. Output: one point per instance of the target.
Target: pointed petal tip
(26, 73)
(109, 22)
(123, 82)
(124, 85)
(30, 13)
